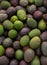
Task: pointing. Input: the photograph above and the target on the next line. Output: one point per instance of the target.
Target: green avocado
(2, 50)
(5, 5)
(35, 42)
(38, 2)
(24, 41)
(34, 32)
(42, 25)
(31, 22)
(21, 14)
(8, 24)
(1, 29)
(35, 61)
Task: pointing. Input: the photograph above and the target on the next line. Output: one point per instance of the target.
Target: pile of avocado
(23, 32)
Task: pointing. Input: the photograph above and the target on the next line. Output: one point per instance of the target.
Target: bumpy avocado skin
(12, 34)
(34, 32)
(42, 25)
(5, 4)
(35, 61)
(19, 54)
(43, 36)
(38, 2)
(1, 29)
(7, 42)
(4, 60)
(24, 40)
(29, 55)
(35, 42)
(18, 25)
(21, 14)
(8, 24)
(23, 2)
(3, 17)
(44, 48)
(13, 18)
(32, 23)
(2, 50)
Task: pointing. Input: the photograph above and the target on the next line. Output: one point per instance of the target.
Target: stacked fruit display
(23, 32)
